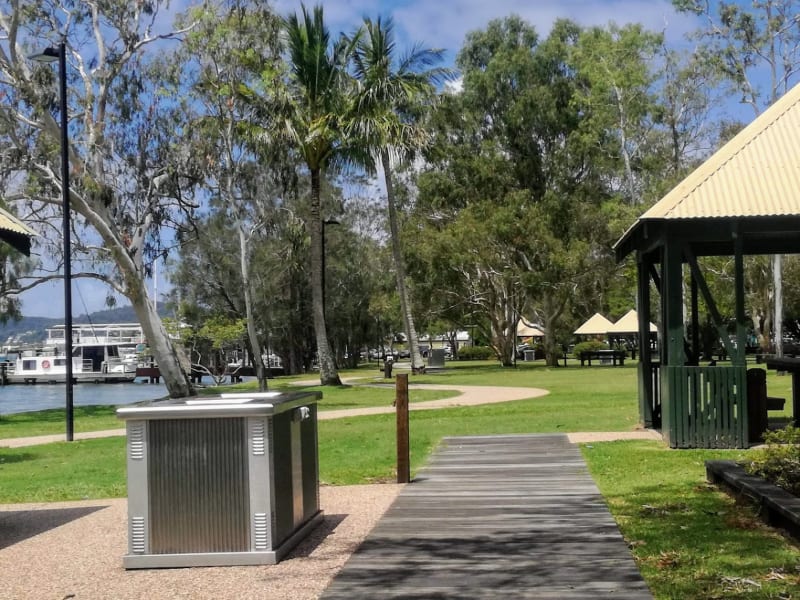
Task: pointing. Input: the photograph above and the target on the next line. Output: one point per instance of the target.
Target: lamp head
(48, 55)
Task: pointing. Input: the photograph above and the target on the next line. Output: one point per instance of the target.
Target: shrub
(475, 353)
(779, 462)
(590, 346)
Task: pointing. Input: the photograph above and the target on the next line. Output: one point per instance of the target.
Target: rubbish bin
(228, 480)
(387, 368)
(757, 422)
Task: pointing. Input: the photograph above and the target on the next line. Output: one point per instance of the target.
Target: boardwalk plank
(495, 516)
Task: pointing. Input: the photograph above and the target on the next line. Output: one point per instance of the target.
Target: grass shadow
(10, 456)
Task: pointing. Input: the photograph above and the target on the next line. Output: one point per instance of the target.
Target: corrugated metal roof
(15, 232)
(629, 323)
(526, 329)
(11, 223)
(757, 173)
(597, 324)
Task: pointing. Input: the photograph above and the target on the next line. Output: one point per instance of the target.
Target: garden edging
(779, 508)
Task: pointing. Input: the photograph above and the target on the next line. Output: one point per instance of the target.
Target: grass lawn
(690, 541)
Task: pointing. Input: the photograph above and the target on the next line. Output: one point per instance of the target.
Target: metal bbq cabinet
(228, 480)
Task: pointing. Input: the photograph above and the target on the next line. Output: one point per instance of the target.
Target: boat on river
(100, 354)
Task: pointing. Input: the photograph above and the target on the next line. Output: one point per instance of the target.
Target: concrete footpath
(470, 395)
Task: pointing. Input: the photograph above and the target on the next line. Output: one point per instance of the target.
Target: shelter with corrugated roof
(744, 200)
(596, 325)
(625, 332)
(15, 232)
(528, 330)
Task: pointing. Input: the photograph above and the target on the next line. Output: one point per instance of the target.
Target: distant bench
(605, 357)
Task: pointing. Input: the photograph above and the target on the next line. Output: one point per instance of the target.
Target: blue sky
(442, 24)
(445, 23)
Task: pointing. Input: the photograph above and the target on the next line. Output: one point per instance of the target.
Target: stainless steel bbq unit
(228, 480)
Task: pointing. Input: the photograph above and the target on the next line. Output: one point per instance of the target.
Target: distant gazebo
(527, 330)
(744, 200)
(626, 329)
(595, 326)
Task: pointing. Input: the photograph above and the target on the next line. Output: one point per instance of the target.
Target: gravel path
(66, 550)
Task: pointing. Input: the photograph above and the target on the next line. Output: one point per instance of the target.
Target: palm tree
(389, 100)
(319, 88)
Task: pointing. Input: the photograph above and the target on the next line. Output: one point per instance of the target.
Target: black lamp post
(49, 55)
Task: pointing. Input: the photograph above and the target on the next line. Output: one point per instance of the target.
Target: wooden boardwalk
(495, 517)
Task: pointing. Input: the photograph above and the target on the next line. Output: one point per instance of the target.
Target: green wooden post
(672, 276)
(646, 399)
(673, 388)
(741, 342)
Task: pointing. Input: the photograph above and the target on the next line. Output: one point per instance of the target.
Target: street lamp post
(49, 55)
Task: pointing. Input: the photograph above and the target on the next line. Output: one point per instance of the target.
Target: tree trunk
(167, 355)
(255, 345)
(399, 268)
(328, 375)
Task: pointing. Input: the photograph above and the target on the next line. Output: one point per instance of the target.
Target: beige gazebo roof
(597, 324)
(525, 329)
(15, 232)
(756, 175)
(628, 323)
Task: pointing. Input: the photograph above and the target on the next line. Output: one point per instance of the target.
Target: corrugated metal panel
(757, 173)
(15, 232)
(9, 222)
(597, 324)
(198, 486)
(628, 323)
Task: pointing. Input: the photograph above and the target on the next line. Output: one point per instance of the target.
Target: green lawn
(690, 541)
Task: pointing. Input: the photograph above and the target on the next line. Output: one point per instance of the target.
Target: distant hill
(30, 330)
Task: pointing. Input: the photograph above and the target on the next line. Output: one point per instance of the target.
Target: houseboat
(100, 354)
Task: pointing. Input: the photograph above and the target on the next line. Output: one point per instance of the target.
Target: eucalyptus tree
(129, 179)
(757, 51)
(321, 89)
(514, 191)
(392, 93)
(234, 57)
(617, 91)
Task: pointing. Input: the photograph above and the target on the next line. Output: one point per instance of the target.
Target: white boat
(106, 355)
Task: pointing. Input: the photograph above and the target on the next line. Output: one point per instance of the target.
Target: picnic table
(605, 357)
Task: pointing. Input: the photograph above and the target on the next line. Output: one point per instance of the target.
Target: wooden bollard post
(401, 404)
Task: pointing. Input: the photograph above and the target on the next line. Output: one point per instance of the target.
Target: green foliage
(476, 353)
(589, 346)
(223, 332)
(779, 462)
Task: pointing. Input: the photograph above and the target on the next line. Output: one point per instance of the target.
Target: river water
(25, 398)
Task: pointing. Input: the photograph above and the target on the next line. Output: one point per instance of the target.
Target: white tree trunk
(399, 268)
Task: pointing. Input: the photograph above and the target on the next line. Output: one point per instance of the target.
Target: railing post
(401, 404)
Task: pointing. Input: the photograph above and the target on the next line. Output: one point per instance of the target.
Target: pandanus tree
(393, 92)
(320, 88)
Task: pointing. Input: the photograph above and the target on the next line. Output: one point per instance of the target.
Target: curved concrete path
(471, 395)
